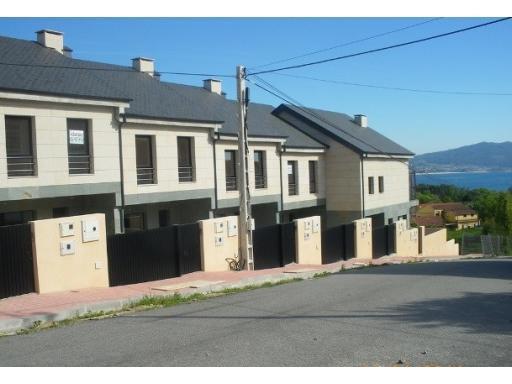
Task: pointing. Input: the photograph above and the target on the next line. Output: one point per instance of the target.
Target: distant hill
(477, 157)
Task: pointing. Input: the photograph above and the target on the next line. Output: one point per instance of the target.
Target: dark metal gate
(143, 256)
(288, 246)
(267, 247)
(380, 241)
(189, 247)
(333, 244)
(16, 260)
(349, 241)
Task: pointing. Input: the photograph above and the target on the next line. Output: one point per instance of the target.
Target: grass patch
(319, 275)
(148, 303)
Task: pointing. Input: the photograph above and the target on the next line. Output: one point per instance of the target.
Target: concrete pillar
(308, 240)
(363, 246)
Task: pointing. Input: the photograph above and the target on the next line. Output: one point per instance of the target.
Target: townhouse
(80, 137)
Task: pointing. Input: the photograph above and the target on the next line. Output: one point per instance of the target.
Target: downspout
(215, 138)
(121, 168)
(281, 150)
(362, 184)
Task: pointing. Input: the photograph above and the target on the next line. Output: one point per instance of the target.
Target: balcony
(145, 176)
(292, 189)
(231, 183)
(260, 182)
(185, 174)
(21, 166)
(79, 164)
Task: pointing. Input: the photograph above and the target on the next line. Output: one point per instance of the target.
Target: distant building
(455, 215)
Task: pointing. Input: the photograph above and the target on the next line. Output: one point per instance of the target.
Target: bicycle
(235, 263)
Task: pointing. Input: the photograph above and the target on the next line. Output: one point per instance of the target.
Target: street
(423, 314)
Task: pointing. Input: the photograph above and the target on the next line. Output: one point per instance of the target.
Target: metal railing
(292, 189)
(79, 164)
(231, 183)
(145, 175)
(186, 174)
(21, 166)
(260, 181)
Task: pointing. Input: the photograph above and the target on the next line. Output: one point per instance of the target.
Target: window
(381, 184)
(79, 154)
(259, 170)
(13, 218)
(312, 176)
(19, 146)
(370, 185)
(231, 180)
(185, 159)
(144, 158)
(163, 218)
(60, 212)
(292, 178)
(134, 222)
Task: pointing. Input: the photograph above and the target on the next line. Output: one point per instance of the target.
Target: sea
(498, 181)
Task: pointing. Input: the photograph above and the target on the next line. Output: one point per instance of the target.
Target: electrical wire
(380, 49)
(112, 69)
(346, 44)
(469, 93)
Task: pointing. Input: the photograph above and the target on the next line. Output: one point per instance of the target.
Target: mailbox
(219, 241)
(232, 228)
(67, 247)
(219, 227)
(66, 229)
(316, 224)
(90, 230)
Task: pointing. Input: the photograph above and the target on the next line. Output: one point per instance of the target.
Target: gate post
(363, 246)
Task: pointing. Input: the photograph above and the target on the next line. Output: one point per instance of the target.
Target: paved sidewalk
(22, 311)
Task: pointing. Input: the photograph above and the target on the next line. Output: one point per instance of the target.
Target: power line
(112, 69)
(288, 99)
(395, 88)
(381, 49)
(347, 43)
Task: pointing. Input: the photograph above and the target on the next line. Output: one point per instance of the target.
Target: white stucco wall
(49, 127)
(396, 182)
(166, 158)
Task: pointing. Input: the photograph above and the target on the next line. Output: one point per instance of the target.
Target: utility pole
(245, 222)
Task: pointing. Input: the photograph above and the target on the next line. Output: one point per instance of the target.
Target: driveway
(425, 314)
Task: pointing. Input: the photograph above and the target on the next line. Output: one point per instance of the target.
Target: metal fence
(487, 245)
(274, 245)
(338, 243)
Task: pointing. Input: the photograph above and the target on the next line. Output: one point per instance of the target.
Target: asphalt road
(436, 314)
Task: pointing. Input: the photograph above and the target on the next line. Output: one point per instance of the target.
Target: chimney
(361, 120)
(68, 52)
(51, 39)
(143, 64)
(157, 75)
(213, 85)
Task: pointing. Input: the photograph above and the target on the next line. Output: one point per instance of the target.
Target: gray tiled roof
(148, 97)
(342, 128)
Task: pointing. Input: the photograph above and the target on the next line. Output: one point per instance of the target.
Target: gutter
(362, 185)
(215, 137)
(281, 150)
(121, 167)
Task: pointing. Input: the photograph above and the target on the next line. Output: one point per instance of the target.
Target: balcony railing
(260, 182)
(186, 174)
(145, 175)
(231, 183)
(79, 164)
(21, 166)
(292, 189)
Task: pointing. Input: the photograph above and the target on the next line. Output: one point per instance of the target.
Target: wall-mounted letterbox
(307, 225)
(67, 247)
(232, 228)
(219, 227)
(90, 230)
(219, 241)
(307, 235)
(66, 229)
(316, 224)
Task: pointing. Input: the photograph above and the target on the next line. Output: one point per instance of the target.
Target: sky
(478, 60)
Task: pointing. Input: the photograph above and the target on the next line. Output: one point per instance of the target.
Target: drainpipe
(281, 150)
(362, 185)
(121, 167)
(215, 137)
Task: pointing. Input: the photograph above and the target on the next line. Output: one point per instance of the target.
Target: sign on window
(76, 136)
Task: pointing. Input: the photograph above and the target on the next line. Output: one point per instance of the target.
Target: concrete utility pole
(245, 222)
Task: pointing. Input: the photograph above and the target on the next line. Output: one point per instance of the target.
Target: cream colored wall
(308, 240)
(213, 257)
(86, 268)
(165, 152)
(272, 169)
(343, 178)
(51, 150)
(303, 176)
(363, 237)
(396, 182)
(406, 240)
(435, 244)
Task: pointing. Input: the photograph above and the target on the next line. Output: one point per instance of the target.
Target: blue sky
(478, 60)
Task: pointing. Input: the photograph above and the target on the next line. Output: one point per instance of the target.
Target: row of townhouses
(78, 137)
